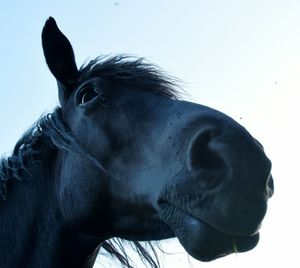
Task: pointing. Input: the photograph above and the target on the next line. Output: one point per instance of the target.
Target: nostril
(201, 154)
(270, 186)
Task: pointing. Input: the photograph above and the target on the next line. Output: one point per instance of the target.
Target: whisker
(234, 246)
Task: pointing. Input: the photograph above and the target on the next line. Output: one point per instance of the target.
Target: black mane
(27, 151)
(135, 72)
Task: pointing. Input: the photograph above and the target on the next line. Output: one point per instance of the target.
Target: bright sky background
(241, 57)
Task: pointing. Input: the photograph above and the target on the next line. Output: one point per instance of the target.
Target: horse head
(153, 166)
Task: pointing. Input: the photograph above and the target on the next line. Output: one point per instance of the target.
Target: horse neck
(33, 232)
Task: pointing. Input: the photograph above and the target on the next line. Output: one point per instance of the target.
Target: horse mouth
(201, 240)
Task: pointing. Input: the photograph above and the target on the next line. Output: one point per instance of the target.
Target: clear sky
(241, 57)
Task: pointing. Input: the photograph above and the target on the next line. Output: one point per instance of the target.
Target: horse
(125, 156)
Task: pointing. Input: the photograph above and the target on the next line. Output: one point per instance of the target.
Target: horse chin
(202, 241)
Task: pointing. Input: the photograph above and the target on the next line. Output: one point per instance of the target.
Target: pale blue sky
(241, 57)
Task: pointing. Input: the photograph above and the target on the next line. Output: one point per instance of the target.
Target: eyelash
(87, 94)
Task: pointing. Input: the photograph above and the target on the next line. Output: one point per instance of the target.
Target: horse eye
(87, 94)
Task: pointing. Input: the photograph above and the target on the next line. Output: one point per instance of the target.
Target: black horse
(124, 156)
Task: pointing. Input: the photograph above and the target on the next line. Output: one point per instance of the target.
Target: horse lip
(208, 243)
(165, 204)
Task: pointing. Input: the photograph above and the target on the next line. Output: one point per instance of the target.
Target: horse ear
(59, 56)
